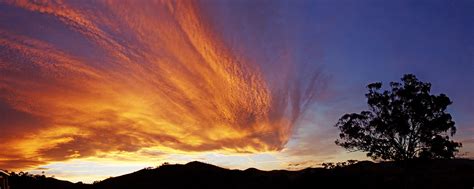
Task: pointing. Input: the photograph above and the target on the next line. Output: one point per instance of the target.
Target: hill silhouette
(453, 174)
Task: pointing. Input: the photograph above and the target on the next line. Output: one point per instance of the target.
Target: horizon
(334, 165)
(91, 90)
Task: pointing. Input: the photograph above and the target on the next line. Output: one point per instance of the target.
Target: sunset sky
(93, 89)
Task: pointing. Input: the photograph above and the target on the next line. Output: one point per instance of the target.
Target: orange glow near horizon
(159, 78)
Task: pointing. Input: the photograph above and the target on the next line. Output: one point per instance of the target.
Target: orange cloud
(165, 80)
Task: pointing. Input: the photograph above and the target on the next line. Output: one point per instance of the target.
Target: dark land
(449, 174)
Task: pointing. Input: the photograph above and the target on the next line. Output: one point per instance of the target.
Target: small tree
(406, 122)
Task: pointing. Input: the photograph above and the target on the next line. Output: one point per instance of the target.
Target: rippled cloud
(82, 78)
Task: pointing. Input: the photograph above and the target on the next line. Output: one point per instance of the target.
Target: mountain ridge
(453, 174)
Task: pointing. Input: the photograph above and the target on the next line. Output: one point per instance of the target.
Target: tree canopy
(405, 122)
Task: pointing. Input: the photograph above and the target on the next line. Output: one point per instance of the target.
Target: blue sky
(359, 42)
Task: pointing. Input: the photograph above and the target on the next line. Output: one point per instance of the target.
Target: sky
(94, 89)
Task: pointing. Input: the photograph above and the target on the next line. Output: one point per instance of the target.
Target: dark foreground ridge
(452, 174)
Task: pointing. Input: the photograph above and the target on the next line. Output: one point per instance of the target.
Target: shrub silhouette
(406, 122)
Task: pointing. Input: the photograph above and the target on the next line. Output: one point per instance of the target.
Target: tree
(404, 123)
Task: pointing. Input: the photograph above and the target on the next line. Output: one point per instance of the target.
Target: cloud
(163, 79)
(303, 164)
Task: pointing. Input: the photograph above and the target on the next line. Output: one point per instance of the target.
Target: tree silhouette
(406, 122)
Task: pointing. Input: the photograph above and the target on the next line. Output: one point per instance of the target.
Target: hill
(412, 174)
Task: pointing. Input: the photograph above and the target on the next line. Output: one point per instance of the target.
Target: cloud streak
(103, 77)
